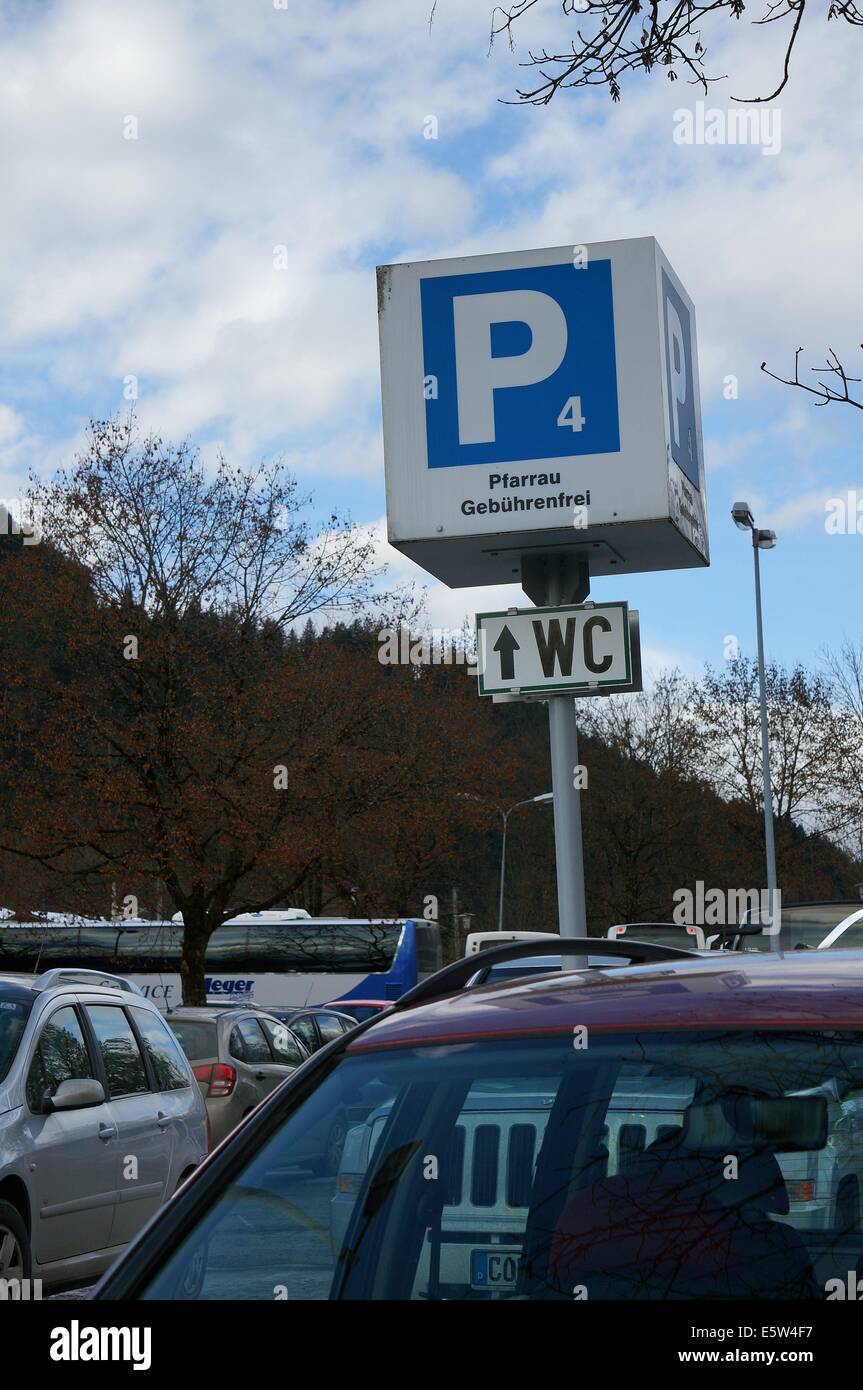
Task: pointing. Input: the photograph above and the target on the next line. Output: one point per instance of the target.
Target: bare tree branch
(779, 10)
(616, 37)
(823, 391)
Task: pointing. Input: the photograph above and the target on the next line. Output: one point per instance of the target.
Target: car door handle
(163, 1120)
(107, 1132)
(260, 1076)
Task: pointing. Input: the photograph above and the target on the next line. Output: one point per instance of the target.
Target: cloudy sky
(154, 155)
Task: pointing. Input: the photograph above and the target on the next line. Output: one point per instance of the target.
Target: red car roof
(357, 1003)
(804, 989)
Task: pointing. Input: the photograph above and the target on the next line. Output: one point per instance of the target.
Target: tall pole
(568, 854)
(572, 912)
(769, 844)
(528, 801)
(505, 815)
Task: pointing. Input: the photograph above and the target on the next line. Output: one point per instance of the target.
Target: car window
(330, 1027)
(121, 1056)
(14, 1013)
(305, 1030)
(168, 1063)
(248, 1038)
(197, 1037)
(61, 1055)
(679, 1164)
(286, 1049)
(276, 1247)
(360, 1012)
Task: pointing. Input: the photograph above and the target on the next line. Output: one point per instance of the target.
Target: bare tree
(808, 741)
(845, 667)
(157, 534)
(168, 744)
(616, 37)
(656, 726)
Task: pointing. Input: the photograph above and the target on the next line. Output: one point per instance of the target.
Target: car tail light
(802, 1190)
(220, 1079)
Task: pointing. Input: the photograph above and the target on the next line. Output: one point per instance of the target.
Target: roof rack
(86, 977)
(452, 977)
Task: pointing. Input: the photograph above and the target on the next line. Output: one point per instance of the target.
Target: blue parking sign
(520, 364)
(680, 381)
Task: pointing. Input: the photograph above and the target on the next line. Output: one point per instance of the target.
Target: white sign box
(541, 400)
(550, 650)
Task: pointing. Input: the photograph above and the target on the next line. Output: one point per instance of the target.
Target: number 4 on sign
(571, 414)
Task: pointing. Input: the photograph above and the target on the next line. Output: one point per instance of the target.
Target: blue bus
(266, 958)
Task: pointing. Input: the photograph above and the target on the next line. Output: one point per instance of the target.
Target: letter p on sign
(479, 374)
(680, 381)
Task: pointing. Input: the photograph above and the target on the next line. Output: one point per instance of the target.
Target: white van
(489, 1176)
(483, 940)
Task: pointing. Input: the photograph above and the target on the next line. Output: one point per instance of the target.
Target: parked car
(314, 1027)
(692, 938)
(360, 1009)
(593, 953)
(232, 1004)
(817, 926)
(631, 1133)
(100, 1121)
(238, 1056)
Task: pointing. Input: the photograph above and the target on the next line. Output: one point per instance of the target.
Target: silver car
(100, 1122)
(238, 1057)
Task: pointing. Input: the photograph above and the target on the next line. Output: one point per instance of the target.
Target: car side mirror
(75, 1094)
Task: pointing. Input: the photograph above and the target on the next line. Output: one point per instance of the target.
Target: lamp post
(762, 540)
(531, 800)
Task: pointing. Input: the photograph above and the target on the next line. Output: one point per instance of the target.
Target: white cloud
(809, 506)
(259, 128)
(11, 424)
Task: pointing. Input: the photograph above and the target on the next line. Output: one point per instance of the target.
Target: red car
(360, 1009)
(655, 1131)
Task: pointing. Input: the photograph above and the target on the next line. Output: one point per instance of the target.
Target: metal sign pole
(568, 850)
(560, 579)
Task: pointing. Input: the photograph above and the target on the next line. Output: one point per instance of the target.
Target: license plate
(494, 1269)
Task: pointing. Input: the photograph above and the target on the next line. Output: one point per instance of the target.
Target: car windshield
(808, 926)
(14, 1012)
(542, 965)
(663, 1165)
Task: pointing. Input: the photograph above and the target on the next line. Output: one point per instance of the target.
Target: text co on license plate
(496, 1268)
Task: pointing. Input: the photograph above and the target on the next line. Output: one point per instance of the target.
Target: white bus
(266, 958)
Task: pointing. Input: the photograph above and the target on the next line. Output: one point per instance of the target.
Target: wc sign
(542, 398)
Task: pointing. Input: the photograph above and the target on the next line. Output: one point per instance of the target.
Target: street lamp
(531, 800)
(762, 540)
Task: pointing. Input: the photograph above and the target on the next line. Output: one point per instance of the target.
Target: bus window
(335, 947)
(429, 957)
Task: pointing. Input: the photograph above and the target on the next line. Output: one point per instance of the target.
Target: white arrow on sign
(577, 647)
